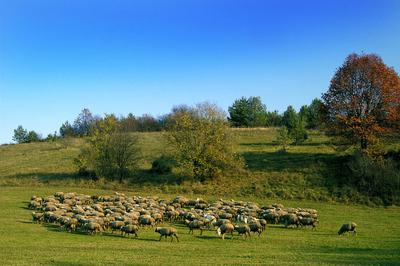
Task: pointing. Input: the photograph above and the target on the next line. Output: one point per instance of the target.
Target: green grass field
(25, 243)
(296, 179)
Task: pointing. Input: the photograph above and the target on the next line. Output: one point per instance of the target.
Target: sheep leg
(177, 239)
(201, 231)
(160, 238)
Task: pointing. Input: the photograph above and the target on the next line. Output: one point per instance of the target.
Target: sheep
(158, 217)
(243, 230)
(195, 224)
(146, 220)
(167, 231)
(290, 219)
(305, 221)
(350, 227)
(263, 223)
(37, 217)
(220, 222)
(130, 229)
(256, 227)
(71, 224)
(226, 228)
(34, 205)
(93, 227)
(116, 225)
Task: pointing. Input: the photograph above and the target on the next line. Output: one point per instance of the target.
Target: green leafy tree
(295, 125)
(248, 112)
(32, 136)
(201, 140)
(111, 153)
(20, 135)
(66, 130)
(274, 119)
(283, 138)
(314, 119)
(83, 123)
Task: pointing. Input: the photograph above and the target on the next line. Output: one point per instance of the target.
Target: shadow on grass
(46, 177)
(66, 263)
(139, 177)
(147, 177)
(280, 161)
(275, 144)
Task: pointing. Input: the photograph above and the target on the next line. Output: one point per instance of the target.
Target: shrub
(376, 177)
(162, 165)
(201, 142)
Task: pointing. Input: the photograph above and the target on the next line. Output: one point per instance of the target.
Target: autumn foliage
(363, 100)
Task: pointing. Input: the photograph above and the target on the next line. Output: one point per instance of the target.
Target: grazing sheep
(167, 231)
(227, 228)
(93, 227)
(243, 230)
(37, 217)
(130, 229)
(71, 224)
(290, 219)
(146, 220)
(263, 223)
(308, 221)
(220, 222)
(116, 225)
(195, 224)
(256, 227)
(350, 227)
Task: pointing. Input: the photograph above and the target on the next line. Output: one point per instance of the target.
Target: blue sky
(57, 57)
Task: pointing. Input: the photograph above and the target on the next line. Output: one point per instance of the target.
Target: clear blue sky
(57, 57)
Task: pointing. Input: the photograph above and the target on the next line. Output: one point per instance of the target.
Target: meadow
(295, 179)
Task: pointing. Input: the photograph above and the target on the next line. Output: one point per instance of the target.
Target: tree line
(244, 112)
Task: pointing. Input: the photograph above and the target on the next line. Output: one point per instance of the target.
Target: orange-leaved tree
(363, 100)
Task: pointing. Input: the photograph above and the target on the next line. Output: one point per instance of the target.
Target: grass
(25, 243)
(299, 178)
(304, 172)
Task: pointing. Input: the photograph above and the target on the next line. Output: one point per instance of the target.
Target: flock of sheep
(126, 214)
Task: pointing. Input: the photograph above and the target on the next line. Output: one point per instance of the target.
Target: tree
(32, 136)
(274, 119)
(363, 100)
(283, 138)
(313, 118)
(20, 134)
(111, 153)
(250, 112)
(295, 125)
(201, 141)
(129, 123)
(66, 130)
(290, 118)
(83, 123)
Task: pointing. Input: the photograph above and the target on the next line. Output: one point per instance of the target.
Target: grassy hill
(306, 171)
(299, 178)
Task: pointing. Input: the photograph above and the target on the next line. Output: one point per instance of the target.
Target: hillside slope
(304, 172)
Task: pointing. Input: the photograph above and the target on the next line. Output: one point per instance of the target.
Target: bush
(111, 153)
(162, 165)
(201, 142)
(376, 177)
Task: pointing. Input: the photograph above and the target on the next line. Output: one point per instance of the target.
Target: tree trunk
(364, 143)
